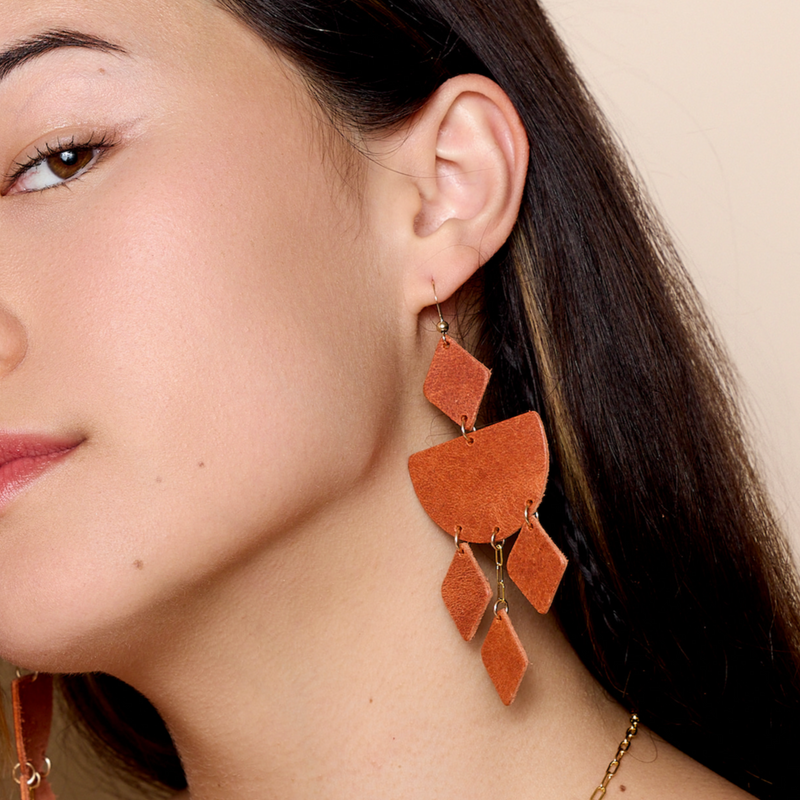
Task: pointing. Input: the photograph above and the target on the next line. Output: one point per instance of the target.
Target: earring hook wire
(443, 327)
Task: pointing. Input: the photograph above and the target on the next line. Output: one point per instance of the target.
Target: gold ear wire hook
(442, 326)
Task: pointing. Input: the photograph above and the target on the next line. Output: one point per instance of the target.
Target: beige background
(705, 93)
(706, 96)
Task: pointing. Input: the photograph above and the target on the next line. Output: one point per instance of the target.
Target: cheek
(234, 285)
(203, 333)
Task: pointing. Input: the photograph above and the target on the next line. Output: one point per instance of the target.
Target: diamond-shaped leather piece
(456, 383)
(536, 565)
(465, 591)
(504, 657)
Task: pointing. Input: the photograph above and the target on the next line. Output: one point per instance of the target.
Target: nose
(13, 342)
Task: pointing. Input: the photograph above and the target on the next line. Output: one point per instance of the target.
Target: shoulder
(665, 772)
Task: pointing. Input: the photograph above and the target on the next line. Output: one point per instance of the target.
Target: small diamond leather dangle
(465, 591)
(536, 565)
(482, 487)
(503, 655)
(32, 701)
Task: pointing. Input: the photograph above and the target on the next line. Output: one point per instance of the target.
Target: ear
(456, 177)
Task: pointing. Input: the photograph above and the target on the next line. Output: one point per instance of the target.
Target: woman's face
(196, 313)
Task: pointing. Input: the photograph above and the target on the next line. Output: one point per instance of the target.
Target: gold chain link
(34, 780)
(633, 729)
(502, 603)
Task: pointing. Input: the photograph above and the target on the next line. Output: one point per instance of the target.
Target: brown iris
(68, 163)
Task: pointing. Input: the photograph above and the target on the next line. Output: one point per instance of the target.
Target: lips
(23, 458)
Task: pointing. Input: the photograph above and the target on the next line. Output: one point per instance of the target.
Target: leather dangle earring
(32, 701)
(482, 487)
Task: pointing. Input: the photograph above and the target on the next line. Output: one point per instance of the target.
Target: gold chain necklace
(633, 729)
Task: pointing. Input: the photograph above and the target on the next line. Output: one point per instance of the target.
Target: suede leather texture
(456, 383)
(484, 485)
(479, 485)
(504, 657)
(32, 699)
(466, 592)
(536, 565)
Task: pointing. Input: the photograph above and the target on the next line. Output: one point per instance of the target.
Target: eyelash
(100, 142)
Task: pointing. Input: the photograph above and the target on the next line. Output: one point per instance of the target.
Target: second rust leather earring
(482, 487)
(32, 700)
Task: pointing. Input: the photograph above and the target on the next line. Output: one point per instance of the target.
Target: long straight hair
(680, 597)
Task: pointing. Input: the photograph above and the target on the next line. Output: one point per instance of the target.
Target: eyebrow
(35, 46)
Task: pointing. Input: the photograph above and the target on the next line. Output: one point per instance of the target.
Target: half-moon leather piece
(456, 382)
(466, 592)
(483, 486)
(536, 565)
(504, 657)
(32, 700)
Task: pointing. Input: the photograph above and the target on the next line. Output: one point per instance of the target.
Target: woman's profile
(253, 256)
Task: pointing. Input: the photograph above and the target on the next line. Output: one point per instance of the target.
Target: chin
(55, 635)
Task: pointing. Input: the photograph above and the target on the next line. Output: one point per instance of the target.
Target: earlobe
(470, 137)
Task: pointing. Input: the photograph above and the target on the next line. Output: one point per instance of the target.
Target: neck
(339, 680)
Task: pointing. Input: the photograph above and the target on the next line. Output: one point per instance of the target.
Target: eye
(69, 163)
(55, 166)
(54, 169)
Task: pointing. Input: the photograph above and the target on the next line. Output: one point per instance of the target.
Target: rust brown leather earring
(32, 701)
(482, 487)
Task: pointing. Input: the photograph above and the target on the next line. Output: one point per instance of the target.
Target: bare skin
(238, 341)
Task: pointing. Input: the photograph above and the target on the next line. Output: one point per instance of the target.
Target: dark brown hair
(680, 597)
